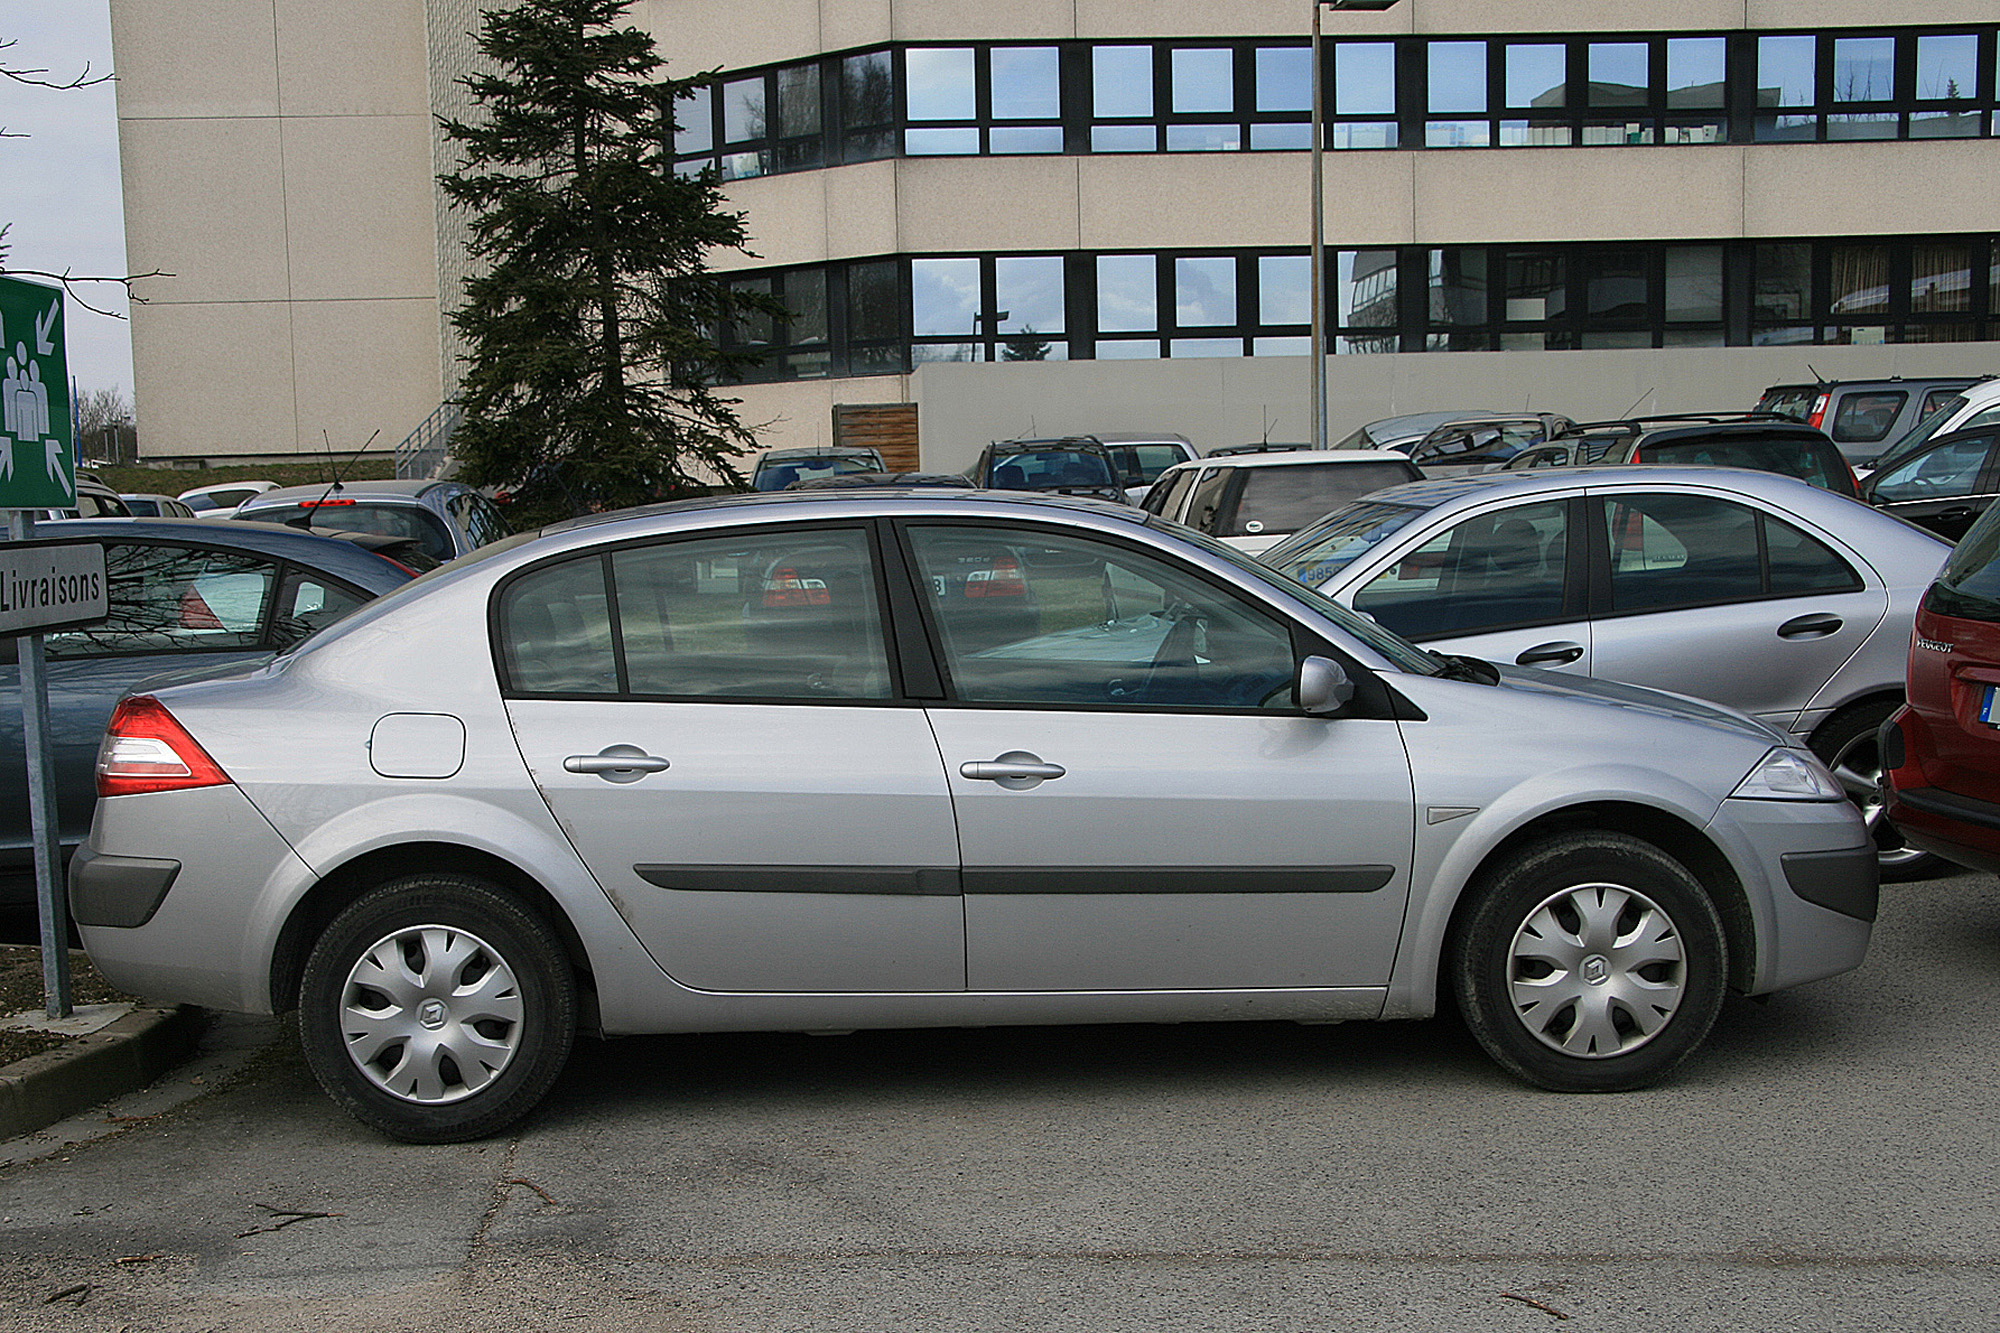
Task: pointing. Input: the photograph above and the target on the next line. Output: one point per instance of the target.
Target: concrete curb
(122, 1056)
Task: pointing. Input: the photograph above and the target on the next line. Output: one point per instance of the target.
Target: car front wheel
(436, 1009)
(1592, 962)
(1848, 744)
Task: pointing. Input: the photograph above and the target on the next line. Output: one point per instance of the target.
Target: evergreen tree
(589, 379)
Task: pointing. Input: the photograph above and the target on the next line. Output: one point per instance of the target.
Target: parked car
(1189, 789)
(93, 500)
(1941, 752)
(1142, 458)
(218, 500)
(1254, 501)
(445, 519)
(147, 505)
(1863, 416)
(1070, 465)
(1943, 485)
(1261, 447)
(779, 468)
(1751, 589)
(847, 481)
(1402, 433)
(1977, 405)
(1478, 443)
(184, 594)
(1768, 443)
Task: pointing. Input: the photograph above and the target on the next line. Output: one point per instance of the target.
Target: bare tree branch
(27, 76)
(68, 282)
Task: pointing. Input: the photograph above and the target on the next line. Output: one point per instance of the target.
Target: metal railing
(423, 453)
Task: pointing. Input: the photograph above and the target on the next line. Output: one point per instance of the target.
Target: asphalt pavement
(1827, 1162)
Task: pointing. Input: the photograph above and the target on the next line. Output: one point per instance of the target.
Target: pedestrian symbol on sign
(36, 463)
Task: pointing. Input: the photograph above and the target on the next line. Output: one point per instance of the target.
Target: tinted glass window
(555, 631)
(1316, 555)
(1680, 550)
(1863, 418)
(1802, 564)
(1050, 469)
(1204, 509)
(1803, 457)
(308, 603)
(1951, 469)
(407, 521)
(1167, 499)
(172, 599)
(1285, 499)
(1492, 570)
(1045, 619)
(1141, 464)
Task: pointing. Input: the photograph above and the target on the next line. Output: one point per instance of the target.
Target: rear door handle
(1558, 653)
(617, 763)
(1016, 770)
(1814, 626)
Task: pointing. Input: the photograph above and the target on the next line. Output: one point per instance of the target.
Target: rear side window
(1285, 499)
(794, 615)
(1863, 418)
(1166, 499)
(1672, 551)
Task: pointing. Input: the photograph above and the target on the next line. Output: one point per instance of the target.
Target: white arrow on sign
(42, 330)
(56, 472)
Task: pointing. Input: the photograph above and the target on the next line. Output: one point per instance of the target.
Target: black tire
(1848, 743)
(479, 971)
(1590, 1033)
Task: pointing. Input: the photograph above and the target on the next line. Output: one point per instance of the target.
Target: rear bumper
(1958, 828)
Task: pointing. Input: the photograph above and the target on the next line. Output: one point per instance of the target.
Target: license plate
(1989, 707)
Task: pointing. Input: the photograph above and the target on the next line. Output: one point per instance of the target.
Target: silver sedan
(1754, 590)
(926, 758)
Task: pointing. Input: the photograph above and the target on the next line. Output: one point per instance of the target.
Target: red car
(1941, 751)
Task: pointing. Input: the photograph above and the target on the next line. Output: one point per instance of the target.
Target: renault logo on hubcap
(431, 1013)
(1596, 969)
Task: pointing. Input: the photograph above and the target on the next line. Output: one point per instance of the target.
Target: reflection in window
(940, 83)
(1029, 289)
(1619, 75)
(944, 296)
(1284, 78)
(1695, 72)
(867, 106)
(1121, 81)
(1027, 85)
(1864, 69)
(1694, 284)
(1127, 294)
(694, 132)
(1536, 75)
(1457, 76)
(1860, 281)
(1364, 78)
(1785, 69)
(1204, 292)
(1365, 298)
(1203, 79)
(1940, 278)
(1284, 289)
(1947, 67)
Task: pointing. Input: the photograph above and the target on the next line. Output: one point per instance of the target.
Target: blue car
(185, 594)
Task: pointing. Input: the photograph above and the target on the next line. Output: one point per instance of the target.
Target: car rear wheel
(436, 1009)
(1590, 963)
(1847, 743)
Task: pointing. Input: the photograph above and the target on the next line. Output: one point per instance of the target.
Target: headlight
(1789, 775)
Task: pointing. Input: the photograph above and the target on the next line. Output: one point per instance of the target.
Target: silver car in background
(887, 758)
(1765, 593)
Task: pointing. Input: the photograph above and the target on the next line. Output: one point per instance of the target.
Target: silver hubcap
(431, 1014)
(1858, 767)
(1596, 971)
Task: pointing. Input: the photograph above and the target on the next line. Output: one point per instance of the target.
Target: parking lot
(1824, 1163)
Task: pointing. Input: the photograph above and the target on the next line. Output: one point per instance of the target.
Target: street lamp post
(1319, 218)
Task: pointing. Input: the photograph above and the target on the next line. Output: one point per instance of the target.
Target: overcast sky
(59, 185)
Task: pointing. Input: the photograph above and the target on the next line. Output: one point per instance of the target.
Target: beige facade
(280, 156)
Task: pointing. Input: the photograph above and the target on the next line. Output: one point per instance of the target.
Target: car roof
(254, 485)
(1294, 458)
(330, 555)
(1477, 487)
(1138, 437)
(940, 500)
(827, 451)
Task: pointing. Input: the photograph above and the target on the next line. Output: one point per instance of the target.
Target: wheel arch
(1847, 708)
(1667, 832)
(334, 891)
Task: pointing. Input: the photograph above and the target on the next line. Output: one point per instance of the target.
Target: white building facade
(1071, 215)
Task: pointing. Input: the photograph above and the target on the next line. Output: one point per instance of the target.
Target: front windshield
(1922, 431)
(1321, 551)
(1049, 469)
(1392, 647)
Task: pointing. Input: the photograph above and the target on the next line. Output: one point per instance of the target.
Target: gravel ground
(21, 992)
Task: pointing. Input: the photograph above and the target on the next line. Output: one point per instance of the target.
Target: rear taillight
(146, 750)
(1817, 416)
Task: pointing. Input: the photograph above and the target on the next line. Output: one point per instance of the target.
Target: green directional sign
(37, 454)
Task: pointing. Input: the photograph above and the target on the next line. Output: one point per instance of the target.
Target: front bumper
(1816, 910)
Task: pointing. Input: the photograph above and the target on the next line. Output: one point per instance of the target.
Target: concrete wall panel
(1859, 189)
(365, 368)
(1564, 194)
(988, 204)
(1240, 199)
(217, 58)
(787, 217)
(358, 203)
(203, 203)
(356, 58)
(213, 380)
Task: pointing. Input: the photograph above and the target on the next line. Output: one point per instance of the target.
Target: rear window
(777, 476)
(1969, 586)
(1142, 464)
(1322, 551)
(1284, 499)
(1050, 469)
(409, 522)
(1794, 400)
(1804, 457)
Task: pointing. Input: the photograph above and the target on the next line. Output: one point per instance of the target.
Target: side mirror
(1322, 688)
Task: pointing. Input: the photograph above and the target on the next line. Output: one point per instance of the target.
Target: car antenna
(1635, 404)
(1817, 377)
(341, 471)
(1267, 423)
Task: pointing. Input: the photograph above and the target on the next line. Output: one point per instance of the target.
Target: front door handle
(1558, 653)
(1815, 626)
(617, 763)
(1016, 770)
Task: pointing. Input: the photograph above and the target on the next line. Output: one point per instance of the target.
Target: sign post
(41, 586)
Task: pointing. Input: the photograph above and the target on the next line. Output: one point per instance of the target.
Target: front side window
(785, 616)
(1045, 619)
(1490, 571)
(1950, 470)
